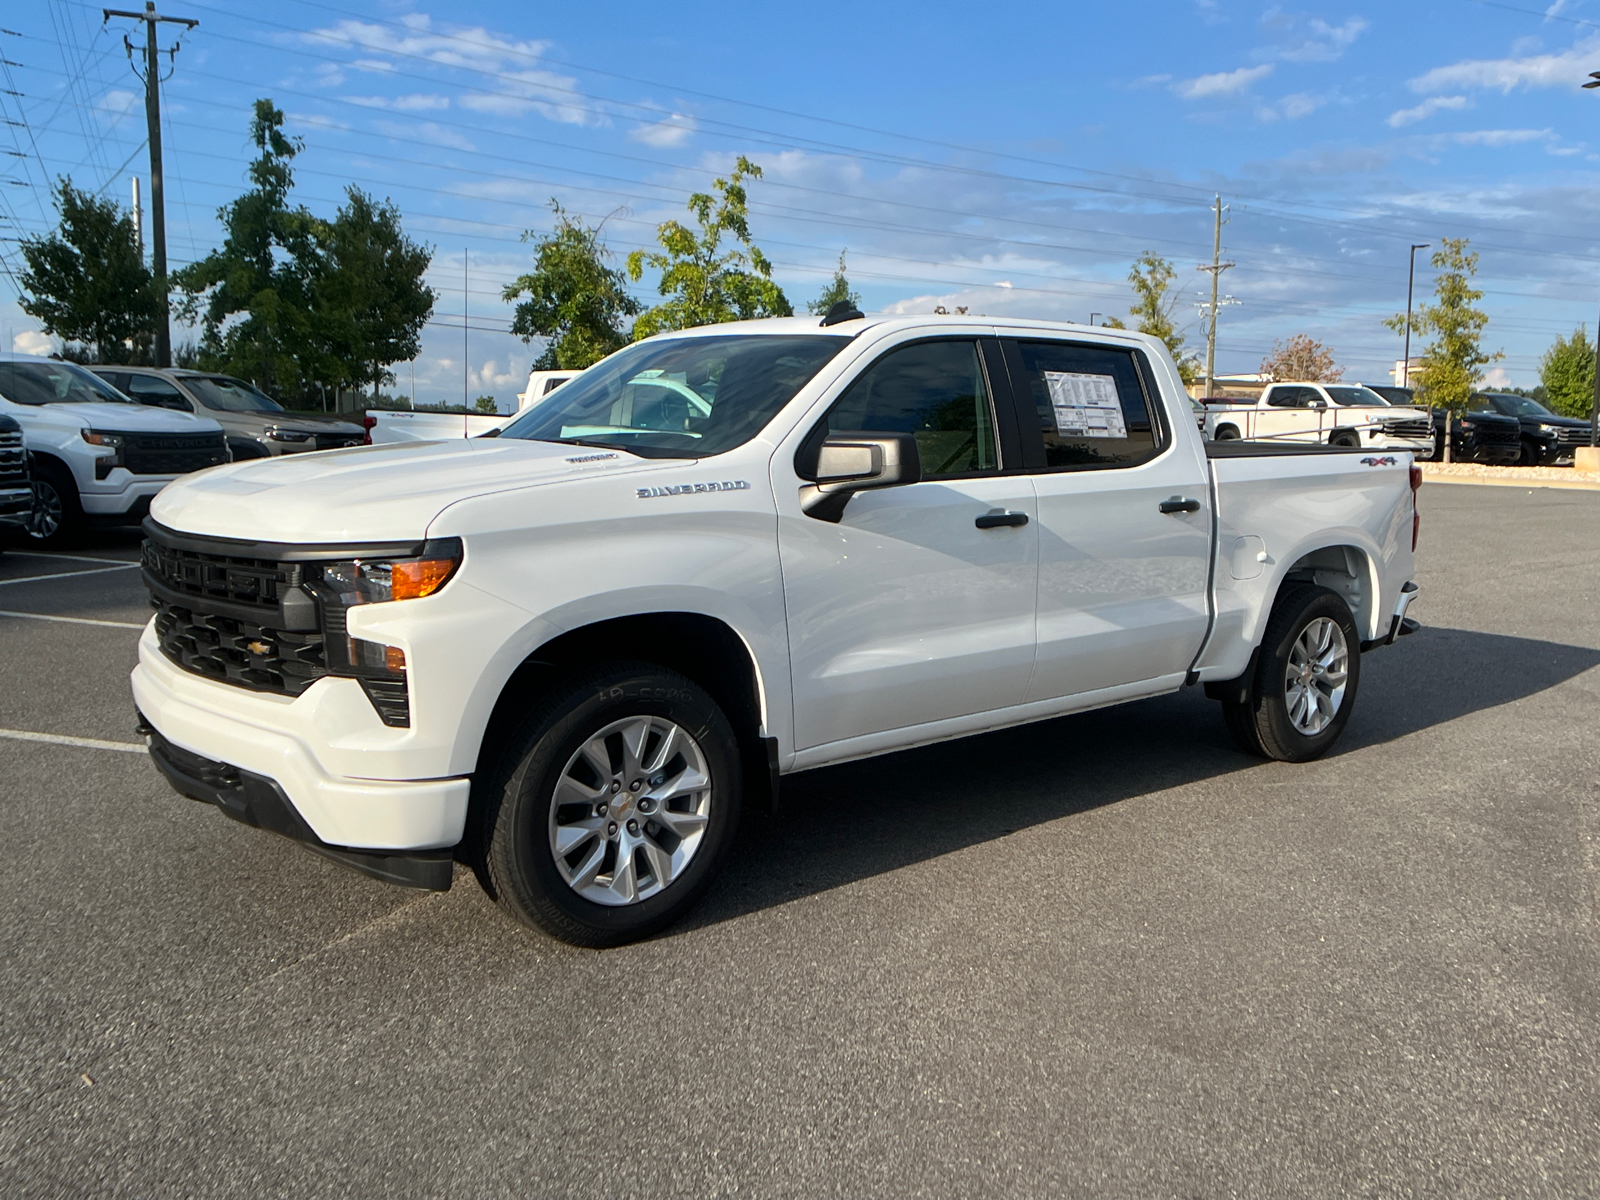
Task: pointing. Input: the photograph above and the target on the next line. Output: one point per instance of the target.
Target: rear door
(1122, 584)
(906, 611)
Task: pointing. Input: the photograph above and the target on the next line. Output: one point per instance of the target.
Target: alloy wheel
(629, 810)
(1314, 682)
(45, 520)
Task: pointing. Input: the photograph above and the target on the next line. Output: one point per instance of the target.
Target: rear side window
(935, 391)
(1091, 404)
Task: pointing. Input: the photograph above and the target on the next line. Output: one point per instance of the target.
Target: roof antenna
(842, 310)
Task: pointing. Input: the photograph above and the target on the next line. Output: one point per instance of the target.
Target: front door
(906, 611)
(1122, 584)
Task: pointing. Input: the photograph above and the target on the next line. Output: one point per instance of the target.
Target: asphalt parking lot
(1101, 956)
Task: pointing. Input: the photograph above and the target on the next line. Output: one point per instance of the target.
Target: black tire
(515, 860)
(1258, 717)
(57, 516)
(1530, 454)
(1226, 433)
(1345, 437)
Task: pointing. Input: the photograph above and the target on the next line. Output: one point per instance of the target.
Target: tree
(1452, 365)
(87, 282)
(575, 300)
(369, 302)
(706, 285)
(261, 273)
(1301, 359)
(487, 405)
(838, 289)
(1154, 305)
(1567, 373)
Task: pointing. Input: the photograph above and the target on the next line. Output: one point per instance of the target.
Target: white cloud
(31, 341)
(672, 130)
(1498, 377)
(1292, 108)
(1327, 42)
(430, 132)
(1565, 69)
(119, 102)
(1496, 138)
(1409, 116)
(416, 102)
(1221, 83)
(316, 121)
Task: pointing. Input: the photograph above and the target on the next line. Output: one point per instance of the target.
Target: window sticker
(1086, 405)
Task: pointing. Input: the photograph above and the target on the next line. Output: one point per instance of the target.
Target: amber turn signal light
(419, 577)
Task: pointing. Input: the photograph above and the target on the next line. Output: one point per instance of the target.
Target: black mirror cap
(842, 310)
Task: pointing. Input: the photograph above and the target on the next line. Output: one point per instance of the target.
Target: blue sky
(1014, 158)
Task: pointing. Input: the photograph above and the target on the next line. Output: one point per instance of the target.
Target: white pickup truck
(570, 654)
(386, 426)
(1330, 413)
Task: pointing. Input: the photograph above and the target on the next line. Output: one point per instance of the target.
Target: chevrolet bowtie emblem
(258, 647)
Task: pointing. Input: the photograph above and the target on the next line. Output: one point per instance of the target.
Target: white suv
(98, 457)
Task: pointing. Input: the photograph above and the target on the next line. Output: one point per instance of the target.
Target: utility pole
(466, 299)
(152, 117)
(1216, 269)
(1411, 278)
(1594, 410)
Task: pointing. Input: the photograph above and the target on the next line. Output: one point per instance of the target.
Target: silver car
(257, 426)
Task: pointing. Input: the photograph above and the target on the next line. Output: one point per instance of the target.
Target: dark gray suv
(257, 426)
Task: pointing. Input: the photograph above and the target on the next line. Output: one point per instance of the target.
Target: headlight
(111, 441)
(377, 581)
(1549, 429)
(288, 435)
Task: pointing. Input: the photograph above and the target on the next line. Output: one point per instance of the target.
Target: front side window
(1090, 402)
(152, 389)
(935, 391)
(1357, 397)
(1519, 406)
(226, 394)
(686, 397)
(55, 383)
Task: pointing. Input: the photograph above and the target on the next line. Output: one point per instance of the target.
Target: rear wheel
(613, 806)
(1304, 687)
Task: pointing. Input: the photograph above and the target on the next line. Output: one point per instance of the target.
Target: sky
(1013, 159)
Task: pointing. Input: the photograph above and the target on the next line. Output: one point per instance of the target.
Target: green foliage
(87, 282)
(368, 299)
(1452, 365)
(1567, 374)
(300, 305)
(706, 285)
(574, 299)
(486, 405)
(1301, 359)
(1154, 305)
(838, 289)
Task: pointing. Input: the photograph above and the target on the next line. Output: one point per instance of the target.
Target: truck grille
(1496, 433)
(252, 581)
(337, 441)
(1421, 428)
(1573, 437)
(172, 453)
(240, 652)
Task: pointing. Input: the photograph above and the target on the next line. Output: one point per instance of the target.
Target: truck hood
(133, 418)
(369, 493)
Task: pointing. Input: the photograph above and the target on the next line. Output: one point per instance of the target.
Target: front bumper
(272, 737)
(16, 505)
(121, 495)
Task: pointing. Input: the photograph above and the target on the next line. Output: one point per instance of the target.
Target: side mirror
(850, 463)
(1319, 402)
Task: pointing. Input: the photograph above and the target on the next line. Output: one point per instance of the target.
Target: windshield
(679, 397)
(1394, 395)
(1516, 406)
(47, 382)
(1364, 397)
(229, 395)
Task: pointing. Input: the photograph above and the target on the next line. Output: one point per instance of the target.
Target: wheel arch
(1349, 570)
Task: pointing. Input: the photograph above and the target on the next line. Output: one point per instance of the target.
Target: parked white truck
(98, 457)
(1330, 413)
(571, 654)
(386, 426)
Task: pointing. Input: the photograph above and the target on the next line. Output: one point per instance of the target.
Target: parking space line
(68, 574)
(61, 739)
(70, 557)
(68, 620)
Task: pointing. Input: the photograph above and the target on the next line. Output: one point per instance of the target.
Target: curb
(1470, 481)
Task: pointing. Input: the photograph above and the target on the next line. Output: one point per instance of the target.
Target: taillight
(1416, 517)
(368, 422)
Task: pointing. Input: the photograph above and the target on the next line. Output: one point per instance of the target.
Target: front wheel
(1346, 438)
(613, 807)
(57, 516)
(1305, 682)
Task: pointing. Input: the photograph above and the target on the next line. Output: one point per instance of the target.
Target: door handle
(999, 517)
(1177, 505)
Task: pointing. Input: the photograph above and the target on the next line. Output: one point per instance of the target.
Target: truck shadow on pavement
(837, 825)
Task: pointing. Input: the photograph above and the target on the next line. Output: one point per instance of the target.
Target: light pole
(1411, 278)
(1594, 404)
